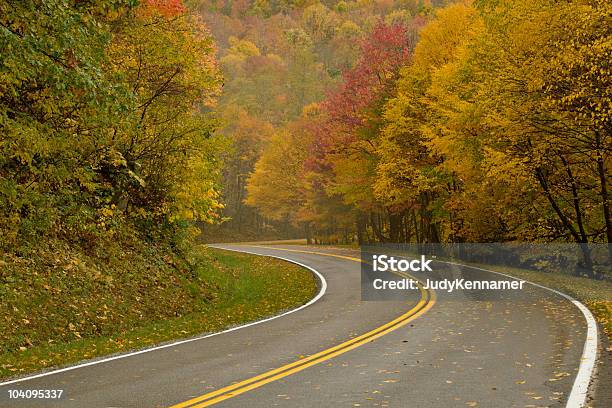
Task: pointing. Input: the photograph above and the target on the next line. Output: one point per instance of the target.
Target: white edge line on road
(319, 295)
(578, 394)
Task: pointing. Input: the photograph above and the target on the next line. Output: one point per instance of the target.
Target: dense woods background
(412, 121)
(343, 121)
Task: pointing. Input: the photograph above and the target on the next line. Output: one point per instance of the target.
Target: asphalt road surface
(519, 349)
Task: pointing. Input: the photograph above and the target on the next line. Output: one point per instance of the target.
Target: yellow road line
(423, 305)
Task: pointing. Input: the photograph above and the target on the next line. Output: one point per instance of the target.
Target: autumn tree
(506, 133)
(547, 89)
(58, 108)
(166, 57)
(103, 118)
(408, 174)
(274, 186)
(350, 129)
(247, 136)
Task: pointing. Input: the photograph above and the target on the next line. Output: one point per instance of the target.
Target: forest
(411, 121)
(341, 121)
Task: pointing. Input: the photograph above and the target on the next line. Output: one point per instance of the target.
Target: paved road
(517, 350)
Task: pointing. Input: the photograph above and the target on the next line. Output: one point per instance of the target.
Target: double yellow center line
(425, 303)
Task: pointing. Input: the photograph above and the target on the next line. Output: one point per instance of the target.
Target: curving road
(521, 349)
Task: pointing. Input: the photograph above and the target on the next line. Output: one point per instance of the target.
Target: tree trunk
(376, 229)
(395, 227)
(587, 259)
(586, 253)
(564, 220)
(307, 231)
(407, 229)
(360, 229)
(575, 200)
(416, 227)
(603, 182)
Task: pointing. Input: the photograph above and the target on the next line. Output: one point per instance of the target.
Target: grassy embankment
(60, 305)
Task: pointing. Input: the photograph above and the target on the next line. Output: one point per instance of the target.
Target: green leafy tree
(59, 109)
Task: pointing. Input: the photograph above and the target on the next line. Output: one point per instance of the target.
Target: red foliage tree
(166, 8)
(352, 111)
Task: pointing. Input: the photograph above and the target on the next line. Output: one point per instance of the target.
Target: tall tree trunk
(307, 231)
(360, 229)
(239, 198)
(429, 232)
(434, 234)
(395, 227)
(603, 184)
(417, 232)
(586, 253)
(376, 228)
(407, 229)
(575, 200)
(564, 220)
